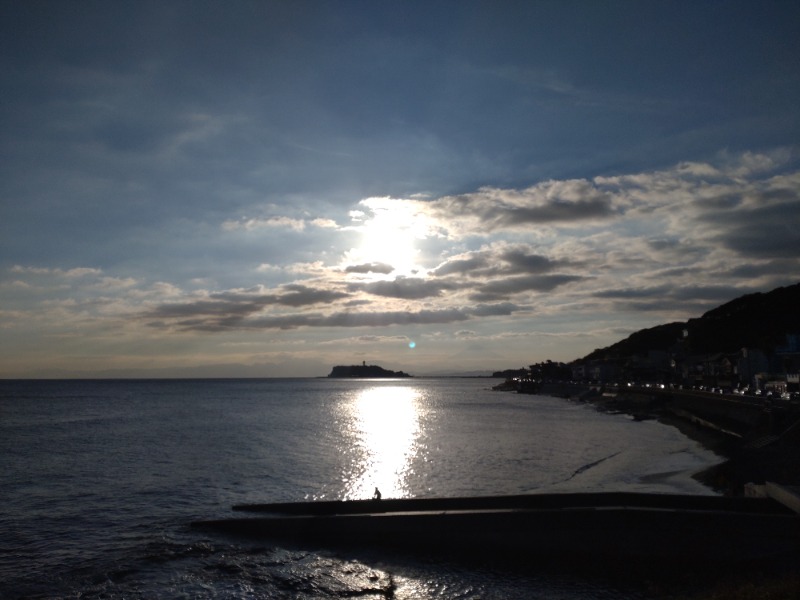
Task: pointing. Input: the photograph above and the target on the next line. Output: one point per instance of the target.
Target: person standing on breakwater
(377, 494)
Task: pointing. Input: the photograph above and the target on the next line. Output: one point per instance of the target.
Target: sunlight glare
(389, 236)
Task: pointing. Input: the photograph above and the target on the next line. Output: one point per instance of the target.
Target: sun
(384, 242)
(389, 236)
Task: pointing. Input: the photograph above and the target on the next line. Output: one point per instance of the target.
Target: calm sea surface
(100, 479)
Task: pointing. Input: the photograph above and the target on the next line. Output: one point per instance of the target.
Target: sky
(270, 188)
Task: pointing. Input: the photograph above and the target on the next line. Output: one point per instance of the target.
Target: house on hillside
(752, 362)
(711, 370)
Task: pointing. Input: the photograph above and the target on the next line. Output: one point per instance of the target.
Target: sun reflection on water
(386, 422)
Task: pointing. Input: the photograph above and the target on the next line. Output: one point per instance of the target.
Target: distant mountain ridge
(759, 320)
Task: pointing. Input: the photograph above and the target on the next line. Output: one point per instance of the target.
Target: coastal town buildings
(748, 345)
(749, 369)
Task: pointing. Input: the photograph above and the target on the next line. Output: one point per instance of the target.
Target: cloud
(324, 223)
(502, 309)
(366, 340)
(233, 306)
(691, 298)
(465, 333)
(407, 288)
(633, 293)
(492, 274)
(667, 245)
(505, 288)
(523, 262)
(374, 267)
(68, 273)
(499, 259)
(562, 203)
(300, 295)
(251, 224)
(764, 227)
(474, 263)
(227, 320)
(658, 231)
(110, 284)
(254, 309)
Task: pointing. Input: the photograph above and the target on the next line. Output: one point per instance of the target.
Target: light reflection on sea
(384, 425)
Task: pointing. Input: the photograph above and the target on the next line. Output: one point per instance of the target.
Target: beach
(751, 457)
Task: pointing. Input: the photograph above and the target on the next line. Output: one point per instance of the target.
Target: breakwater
(690, 530)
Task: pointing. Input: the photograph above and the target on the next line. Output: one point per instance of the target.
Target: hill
(760, 320)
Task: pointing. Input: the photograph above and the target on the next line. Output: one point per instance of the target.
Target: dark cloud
(785, 268)
(232, 305)
(495, 310)
(556, 212)
(663, 244)
(242, 311)
(551, 203)
(496, 216)
(522, 262)
(406, 288)
(301, 295)
(690, 300)
(382, 319)
(374, 267)
(715, 293)
(663, 306)
(207, 308)
(476, 263)
(505, 288)
(671, 272)
(500, 261)
(722, 202)
(631, 293)
(765, 231)
(215, 323)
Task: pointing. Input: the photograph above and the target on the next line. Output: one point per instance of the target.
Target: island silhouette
(365, 371)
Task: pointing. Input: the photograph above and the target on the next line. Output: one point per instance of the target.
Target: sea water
(99, 481)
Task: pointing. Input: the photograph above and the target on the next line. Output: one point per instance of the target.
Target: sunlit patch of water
(385, 430)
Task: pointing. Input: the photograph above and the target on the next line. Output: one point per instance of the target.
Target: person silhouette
(377, 494)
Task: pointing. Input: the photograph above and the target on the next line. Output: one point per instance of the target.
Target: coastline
(744, 463)
(747, 459)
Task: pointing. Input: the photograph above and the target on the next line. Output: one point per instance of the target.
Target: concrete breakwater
(692, 529)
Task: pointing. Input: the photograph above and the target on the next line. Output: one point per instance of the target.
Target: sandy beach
(748, 459)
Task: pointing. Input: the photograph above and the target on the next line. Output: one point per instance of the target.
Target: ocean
(100, 480)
